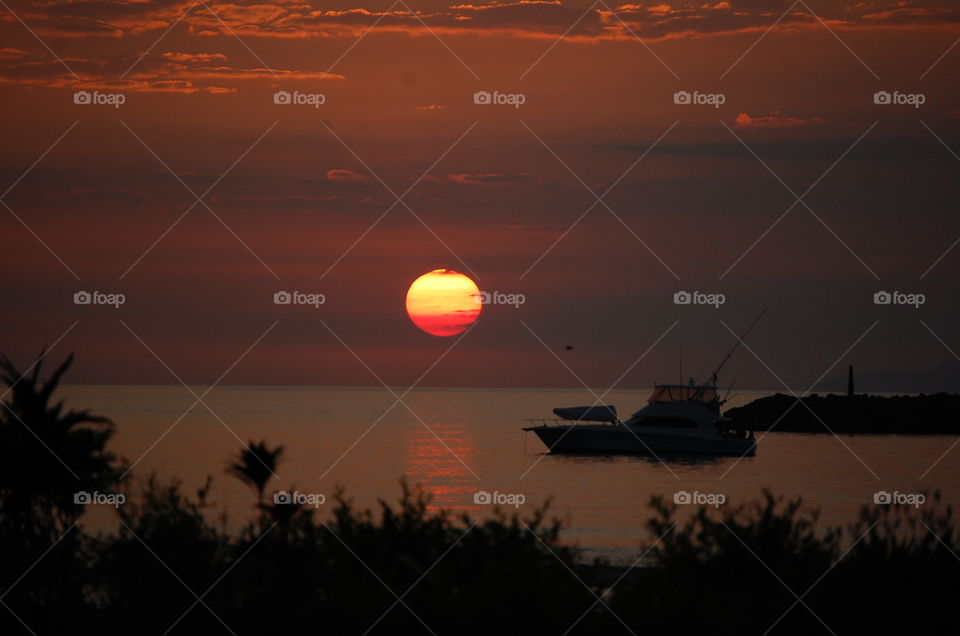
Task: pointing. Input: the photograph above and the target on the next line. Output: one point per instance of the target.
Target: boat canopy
(588, 413)
(683, 393)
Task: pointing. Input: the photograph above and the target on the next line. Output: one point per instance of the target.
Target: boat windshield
(683, 393)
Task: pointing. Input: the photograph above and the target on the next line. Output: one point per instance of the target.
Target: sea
(466, 447)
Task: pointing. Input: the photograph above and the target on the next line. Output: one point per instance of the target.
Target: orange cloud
(488, 178)
(10, 53)
(342, 175)
(195, 57)
(171, 72)
(775, 119)
(519, 18)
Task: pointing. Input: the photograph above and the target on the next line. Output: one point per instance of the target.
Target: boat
(679, 419)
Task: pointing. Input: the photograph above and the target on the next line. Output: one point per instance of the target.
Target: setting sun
(443, 302)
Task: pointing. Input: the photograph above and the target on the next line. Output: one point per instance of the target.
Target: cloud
(775, 119)
(488, 178)
(11, 53)
(342, 175)
(171, 72)
(96, 195)
(185, 58)
(545, 19)
(291, 199)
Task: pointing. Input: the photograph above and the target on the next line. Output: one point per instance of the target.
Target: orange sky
(309, 198)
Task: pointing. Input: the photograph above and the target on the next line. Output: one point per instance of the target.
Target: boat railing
(557, 421)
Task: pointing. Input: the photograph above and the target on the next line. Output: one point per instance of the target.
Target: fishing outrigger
(679, 419)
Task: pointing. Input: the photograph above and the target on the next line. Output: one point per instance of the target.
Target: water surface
(456, 442)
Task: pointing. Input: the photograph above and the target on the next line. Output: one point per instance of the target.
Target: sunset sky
(199, 198)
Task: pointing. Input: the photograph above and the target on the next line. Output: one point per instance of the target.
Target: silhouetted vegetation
(47, 454)
(255, 465)
(861, 413)
(47, 451)
(743, 571)
(175, 566)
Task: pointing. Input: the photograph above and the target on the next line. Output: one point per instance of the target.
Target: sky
(800, 157)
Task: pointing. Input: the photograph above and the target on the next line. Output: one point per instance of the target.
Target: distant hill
(944, 378)
(928, 414)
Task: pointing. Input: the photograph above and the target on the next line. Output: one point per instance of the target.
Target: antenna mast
(713, 376)
(727, 396)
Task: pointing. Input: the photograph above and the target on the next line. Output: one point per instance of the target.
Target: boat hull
(618, 440)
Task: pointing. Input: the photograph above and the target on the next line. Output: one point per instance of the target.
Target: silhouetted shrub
(743, 571)
(172, 565)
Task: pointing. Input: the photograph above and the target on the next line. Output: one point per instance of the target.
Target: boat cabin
(701, 393)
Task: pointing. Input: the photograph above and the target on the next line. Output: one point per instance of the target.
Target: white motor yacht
(677, 420)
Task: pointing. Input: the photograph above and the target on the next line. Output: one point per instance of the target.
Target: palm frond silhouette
(255, 465)
(49, 452)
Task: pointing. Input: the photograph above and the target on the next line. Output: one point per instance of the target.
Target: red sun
(443, 302)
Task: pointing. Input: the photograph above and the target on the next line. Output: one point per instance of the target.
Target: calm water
(340, 436)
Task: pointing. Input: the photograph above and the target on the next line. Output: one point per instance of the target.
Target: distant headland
(943, 377)
(853, 413)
